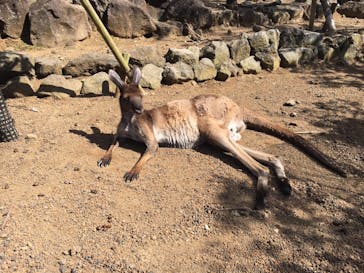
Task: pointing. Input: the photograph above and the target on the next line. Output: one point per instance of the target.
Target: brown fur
(205, 118)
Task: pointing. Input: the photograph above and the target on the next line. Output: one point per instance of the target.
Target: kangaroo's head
(131, 98)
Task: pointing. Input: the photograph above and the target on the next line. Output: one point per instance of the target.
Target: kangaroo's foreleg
(274, 162)
(106, 159)
(152, 147)
(220, 137)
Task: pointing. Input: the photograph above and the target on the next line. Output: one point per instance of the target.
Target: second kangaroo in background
(205, 118)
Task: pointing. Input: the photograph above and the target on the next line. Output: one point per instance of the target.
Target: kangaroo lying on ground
(205, 118)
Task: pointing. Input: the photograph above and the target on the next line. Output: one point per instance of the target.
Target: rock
(205, 70)
(290, 57)
(58, 86)
(353, 48)
(239, 49)
(295, 11)
(55, 23)
(14, 64)
(177, 73)
(89, 64)
(308, 55)
(129, 19)
(353, 9)
(100, 6)
(269, 59)
(250, 65)
(248, 17)
(280, 17)
(273, 38)
(217, 51)
(184, 55)
(259, 41)
(151, 76)
(193, 12)
(19, 86)
(291, 38)
(31, 136)
(98, 84)
(223, 73)
(46, 65)
(144, 55)
(290, 102)
(13, 17)
(168, 29)
(195, 50)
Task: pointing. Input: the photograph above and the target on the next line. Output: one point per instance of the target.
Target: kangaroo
(213, 119)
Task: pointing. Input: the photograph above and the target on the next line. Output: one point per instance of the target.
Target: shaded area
(103, 140)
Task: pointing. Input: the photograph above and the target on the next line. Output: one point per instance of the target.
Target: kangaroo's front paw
(103, 162)
(130, 176)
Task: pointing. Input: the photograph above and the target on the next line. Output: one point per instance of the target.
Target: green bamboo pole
(105, 34)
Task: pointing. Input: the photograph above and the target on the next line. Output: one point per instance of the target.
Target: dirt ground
(191, 210)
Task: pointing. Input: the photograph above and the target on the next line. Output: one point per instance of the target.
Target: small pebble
(290, 102)
(93, 191)
(293, 114)
(31, 136)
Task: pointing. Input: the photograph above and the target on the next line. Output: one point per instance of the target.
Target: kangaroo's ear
(137, 75)
(115, 78)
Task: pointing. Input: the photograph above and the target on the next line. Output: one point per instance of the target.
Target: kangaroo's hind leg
(220, 137)
(274, 162)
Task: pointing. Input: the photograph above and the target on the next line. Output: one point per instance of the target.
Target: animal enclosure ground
(190, 211)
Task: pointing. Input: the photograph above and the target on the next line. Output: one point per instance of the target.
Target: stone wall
(87, 75)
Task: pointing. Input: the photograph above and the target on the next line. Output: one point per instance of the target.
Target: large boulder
(181, 54)
(217, 51)
(353, 48)
(239, 49)
(59, 87)
(204, 70)
(269, 59)
(250, 65)
(190, 11)
(354, 9)
(48, 65)
(128, 20)
(151, 76)
(177, 73)
(293, 57)
(89, 64)
(143, 55)
(14, 64)
(19, 86)
(98, 84)
(12, 17)
(57, 22)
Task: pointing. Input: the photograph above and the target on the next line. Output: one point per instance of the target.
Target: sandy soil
(191, 210)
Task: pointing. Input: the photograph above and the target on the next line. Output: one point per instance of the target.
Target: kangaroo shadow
(103, 140)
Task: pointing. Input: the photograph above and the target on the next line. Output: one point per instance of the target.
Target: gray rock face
(190, 11)
(293, 57)
(177, 73)
(259, 41)
(205, 70)
(144, 55)
(223, 73)
(12, 17)
(269, 59)
(294, 37)
(100, 6)
(181, 54)
(60, 87)
(239, 49)
(89, 64)
(98, 84)
(57, 22)
(45, 66)
(17, 87)
(217, 51)
(128, 20)
(353, 9)
(14, 64)
(354, 48)
(250, 65)
(151, 76)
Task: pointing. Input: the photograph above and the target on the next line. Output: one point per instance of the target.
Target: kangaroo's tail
(256, 123)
